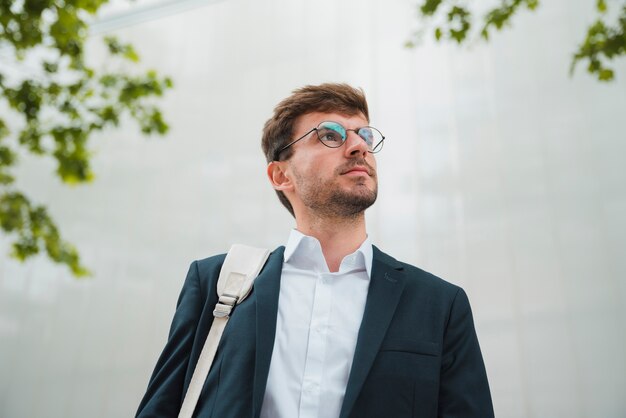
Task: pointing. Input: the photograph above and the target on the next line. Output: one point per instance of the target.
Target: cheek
(372, 161)
(318, 166)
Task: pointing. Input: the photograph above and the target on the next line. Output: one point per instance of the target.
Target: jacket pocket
(406, 345)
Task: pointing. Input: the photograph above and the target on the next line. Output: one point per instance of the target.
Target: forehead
(311, 120)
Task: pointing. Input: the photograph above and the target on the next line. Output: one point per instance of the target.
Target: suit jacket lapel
(266, 289)
(386, 285)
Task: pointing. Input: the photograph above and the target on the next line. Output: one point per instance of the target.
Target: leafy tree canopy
(454, 21)
(52, 101)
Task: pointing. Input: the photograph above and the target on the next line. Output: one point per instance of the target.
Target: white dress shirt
(319, 315)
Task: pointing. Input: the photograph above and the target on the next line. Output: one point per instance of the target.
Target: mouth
(358, 170)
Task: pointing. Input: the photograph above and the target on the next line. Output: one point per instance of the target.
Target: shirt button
(310, 387)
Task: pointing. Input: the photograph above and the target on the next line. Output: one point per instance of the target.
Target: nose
(355, 146)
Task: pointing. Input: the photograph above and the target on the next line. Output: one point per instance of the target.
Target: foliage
(52, 102)
(602, 42)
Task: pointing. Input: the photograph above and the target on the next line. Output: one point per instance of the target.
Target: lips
(356, 169)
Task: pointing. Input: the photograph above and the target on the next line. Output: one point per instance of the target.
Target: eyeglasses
(334, 135)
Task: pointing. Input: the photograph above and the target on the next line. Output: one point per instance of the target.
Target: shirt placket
(316, 347)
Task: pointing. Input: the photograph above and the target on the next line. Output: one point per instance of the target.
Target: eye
(328, 135)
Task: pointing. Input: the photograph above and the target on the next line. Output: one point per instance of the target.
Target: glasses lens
(331, 134)
(372, 137)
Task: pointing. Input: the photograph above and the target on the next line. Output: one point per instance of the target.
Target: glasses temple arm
(293, 142)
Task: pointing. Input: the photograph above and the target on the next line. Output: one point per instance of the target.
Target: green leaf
(68, 33)
(7, 157)
(438, 33)
(605, 74)
(31, 138)
(6, 179)
(117, 48)
(90, 6)
(459, 17)
(429, 7)
(50, 67)
(4, 130)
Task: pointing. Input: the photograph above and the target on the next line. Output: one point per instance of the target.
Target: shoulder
(209, 264)
(208, 269)
(202, 276)
(417, 278)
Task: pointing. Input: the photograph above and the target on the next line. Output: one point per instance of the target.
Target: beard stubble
(329, 199)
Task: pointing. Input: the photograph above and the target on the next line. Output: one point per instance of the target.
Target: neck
(337, 236)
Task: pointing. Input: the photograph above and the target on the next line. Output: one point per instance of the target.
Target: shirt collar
(305, 252)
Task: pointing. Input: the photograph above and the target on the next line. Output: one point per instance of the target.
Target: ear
(276, 172)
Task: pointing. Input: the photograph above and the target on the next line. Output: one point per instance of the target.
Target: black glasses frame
(376, 149)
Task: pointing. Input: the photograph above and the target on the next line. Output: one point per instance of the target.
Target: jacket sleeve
(464, 390)
(164, 395)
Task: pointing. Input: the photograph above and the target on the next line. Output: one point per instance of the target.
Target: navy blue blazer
(417, 354)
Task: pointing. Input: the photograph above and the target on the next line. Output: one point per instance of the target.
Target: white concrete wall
(500, 173)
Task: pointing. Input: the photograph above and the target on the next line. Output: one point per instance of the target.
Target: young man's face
(332, 181)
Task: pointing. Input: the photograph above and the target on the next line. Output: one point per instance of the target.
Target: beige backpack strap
(240, 268)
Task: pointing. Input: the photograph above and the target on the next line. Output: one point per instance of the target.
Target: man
(334, 327)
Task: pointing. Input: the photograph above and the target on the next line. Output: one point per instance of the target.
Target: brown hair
(327, 98)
